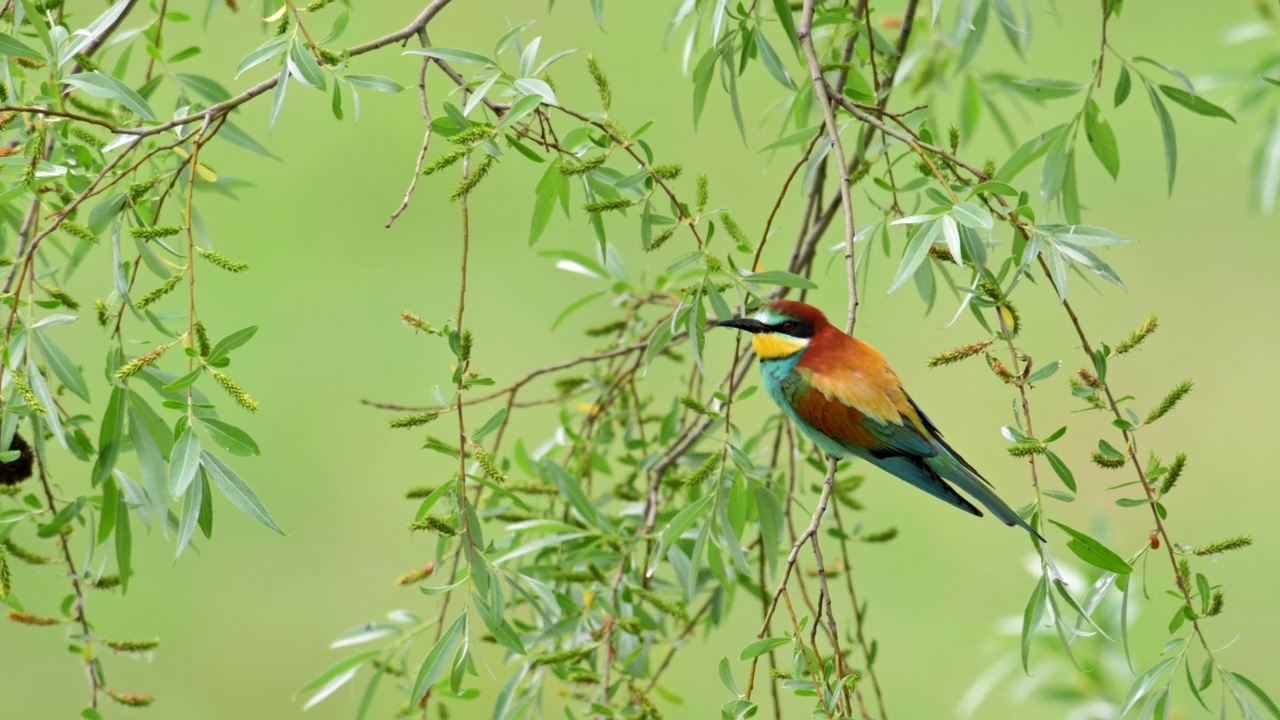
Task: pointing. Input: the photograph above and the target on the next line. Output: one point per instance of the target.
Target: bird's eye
(788, 327)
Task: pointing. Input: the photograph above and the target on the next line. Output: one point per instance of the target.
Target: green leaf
(1102, 139)
(534, 86)
(1258, 692)
(1082, 235)
(154, 473)
(703, 72)
(14, 47)
(759, 647)
(781, 277)
(230, 438)
(208, 88)
(769, 512)
(110, 435)
(376, 83)
(1094, 552)
(972, 215)
(1063, 472)
(62, 365)
(1143, 684)
(277, 98)
(69, 512)
(1055, 168)
(105, 86)
(305, 63)
(237, 490)
(520, 109)
(493, 423)
(1046, 89)
(231, 342)
(1167, 133)
(1031, 616)
(1194, 103)
(233, 134)
(264, 52)
(1123, 85)
(184, 462)
(437, 660)
(571, 489)
(916, 252)
(456, 55)
(772, 63)
(726, 675)
(124, 544)
(335, 677)
(191, 504)
(1028, 153)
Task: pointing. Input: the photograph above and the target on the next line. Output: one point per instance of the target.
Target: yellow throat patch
(770, 346)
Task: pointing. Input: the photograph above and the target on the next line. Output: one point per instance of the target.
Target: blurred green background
(246, 621)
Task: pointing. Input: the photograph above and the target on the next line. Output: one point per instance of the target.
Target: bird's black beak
(748, 324)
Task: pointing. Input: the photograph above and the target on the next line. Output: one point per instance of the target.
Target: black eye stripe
(794, 328)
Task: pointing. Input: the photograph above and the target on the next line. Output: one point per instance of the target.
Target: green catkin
(202, 339)
(1219, 600)
(883, 536)
(470, 182)
(20, 553)
(6, 580)
(62, 296)
(131, 699)
(473, 135)
(107, 582)
(76, 230)
(662, 238)
(1175, 471)
(609, 205)
(668, 606)
(735, 231)
(418, 493)
(704, 471)
(486, 463)
(602, 82)
(132, 367)
(131, 646)
(1137, 337)
(28, 395)
(139, 190)
(435, 524)
(560, 656)
(570, 168)
(444, 161)
(414, 420)
(951, 357)
(1026, 449)
(156, 232)
(670, 171)
(1109, 462)
(222, 261)
(26, 618)
(237, 393)
(417, 323)
(1236, 543)
(88, 138)
(703, 192)
(154, 295)
(1170, 401)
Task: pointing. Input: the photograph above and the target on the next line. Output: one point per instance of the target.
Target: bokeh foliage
(634, 515)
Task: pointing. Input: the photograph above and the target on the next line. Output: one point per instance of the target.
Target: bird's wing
(863, 412)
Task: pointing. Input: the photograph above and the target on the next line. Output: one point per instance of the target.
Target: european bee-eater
(843, 395)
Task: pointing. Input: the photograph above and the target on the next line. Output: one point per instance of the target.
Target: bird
(843, 395)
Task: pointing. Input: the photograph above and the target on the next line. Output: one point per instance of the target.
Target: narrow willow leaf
(769, 512)
(916, 252)
(105, 86)
(437, 660)
(335, 677)
(1168, 134)
(230, 438)
(756, 648)
(454, 55)
(1094, 552)
(62, 366)
(264, 52)
(277, 98)
(973, 215)
(571, 489)
(14, 47)
(1123, 85)
(493, 423)
(124, 544)
(1102, 139)
(376, 83)
(781, 277)
(237, 490)
(231, 342)
(1031, 616)
(1028, 152)
(1143, 684)
(1194, 103)
(154, 474)
(1258, 692)
(772, 63)
(191, 504)
(184, 463)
